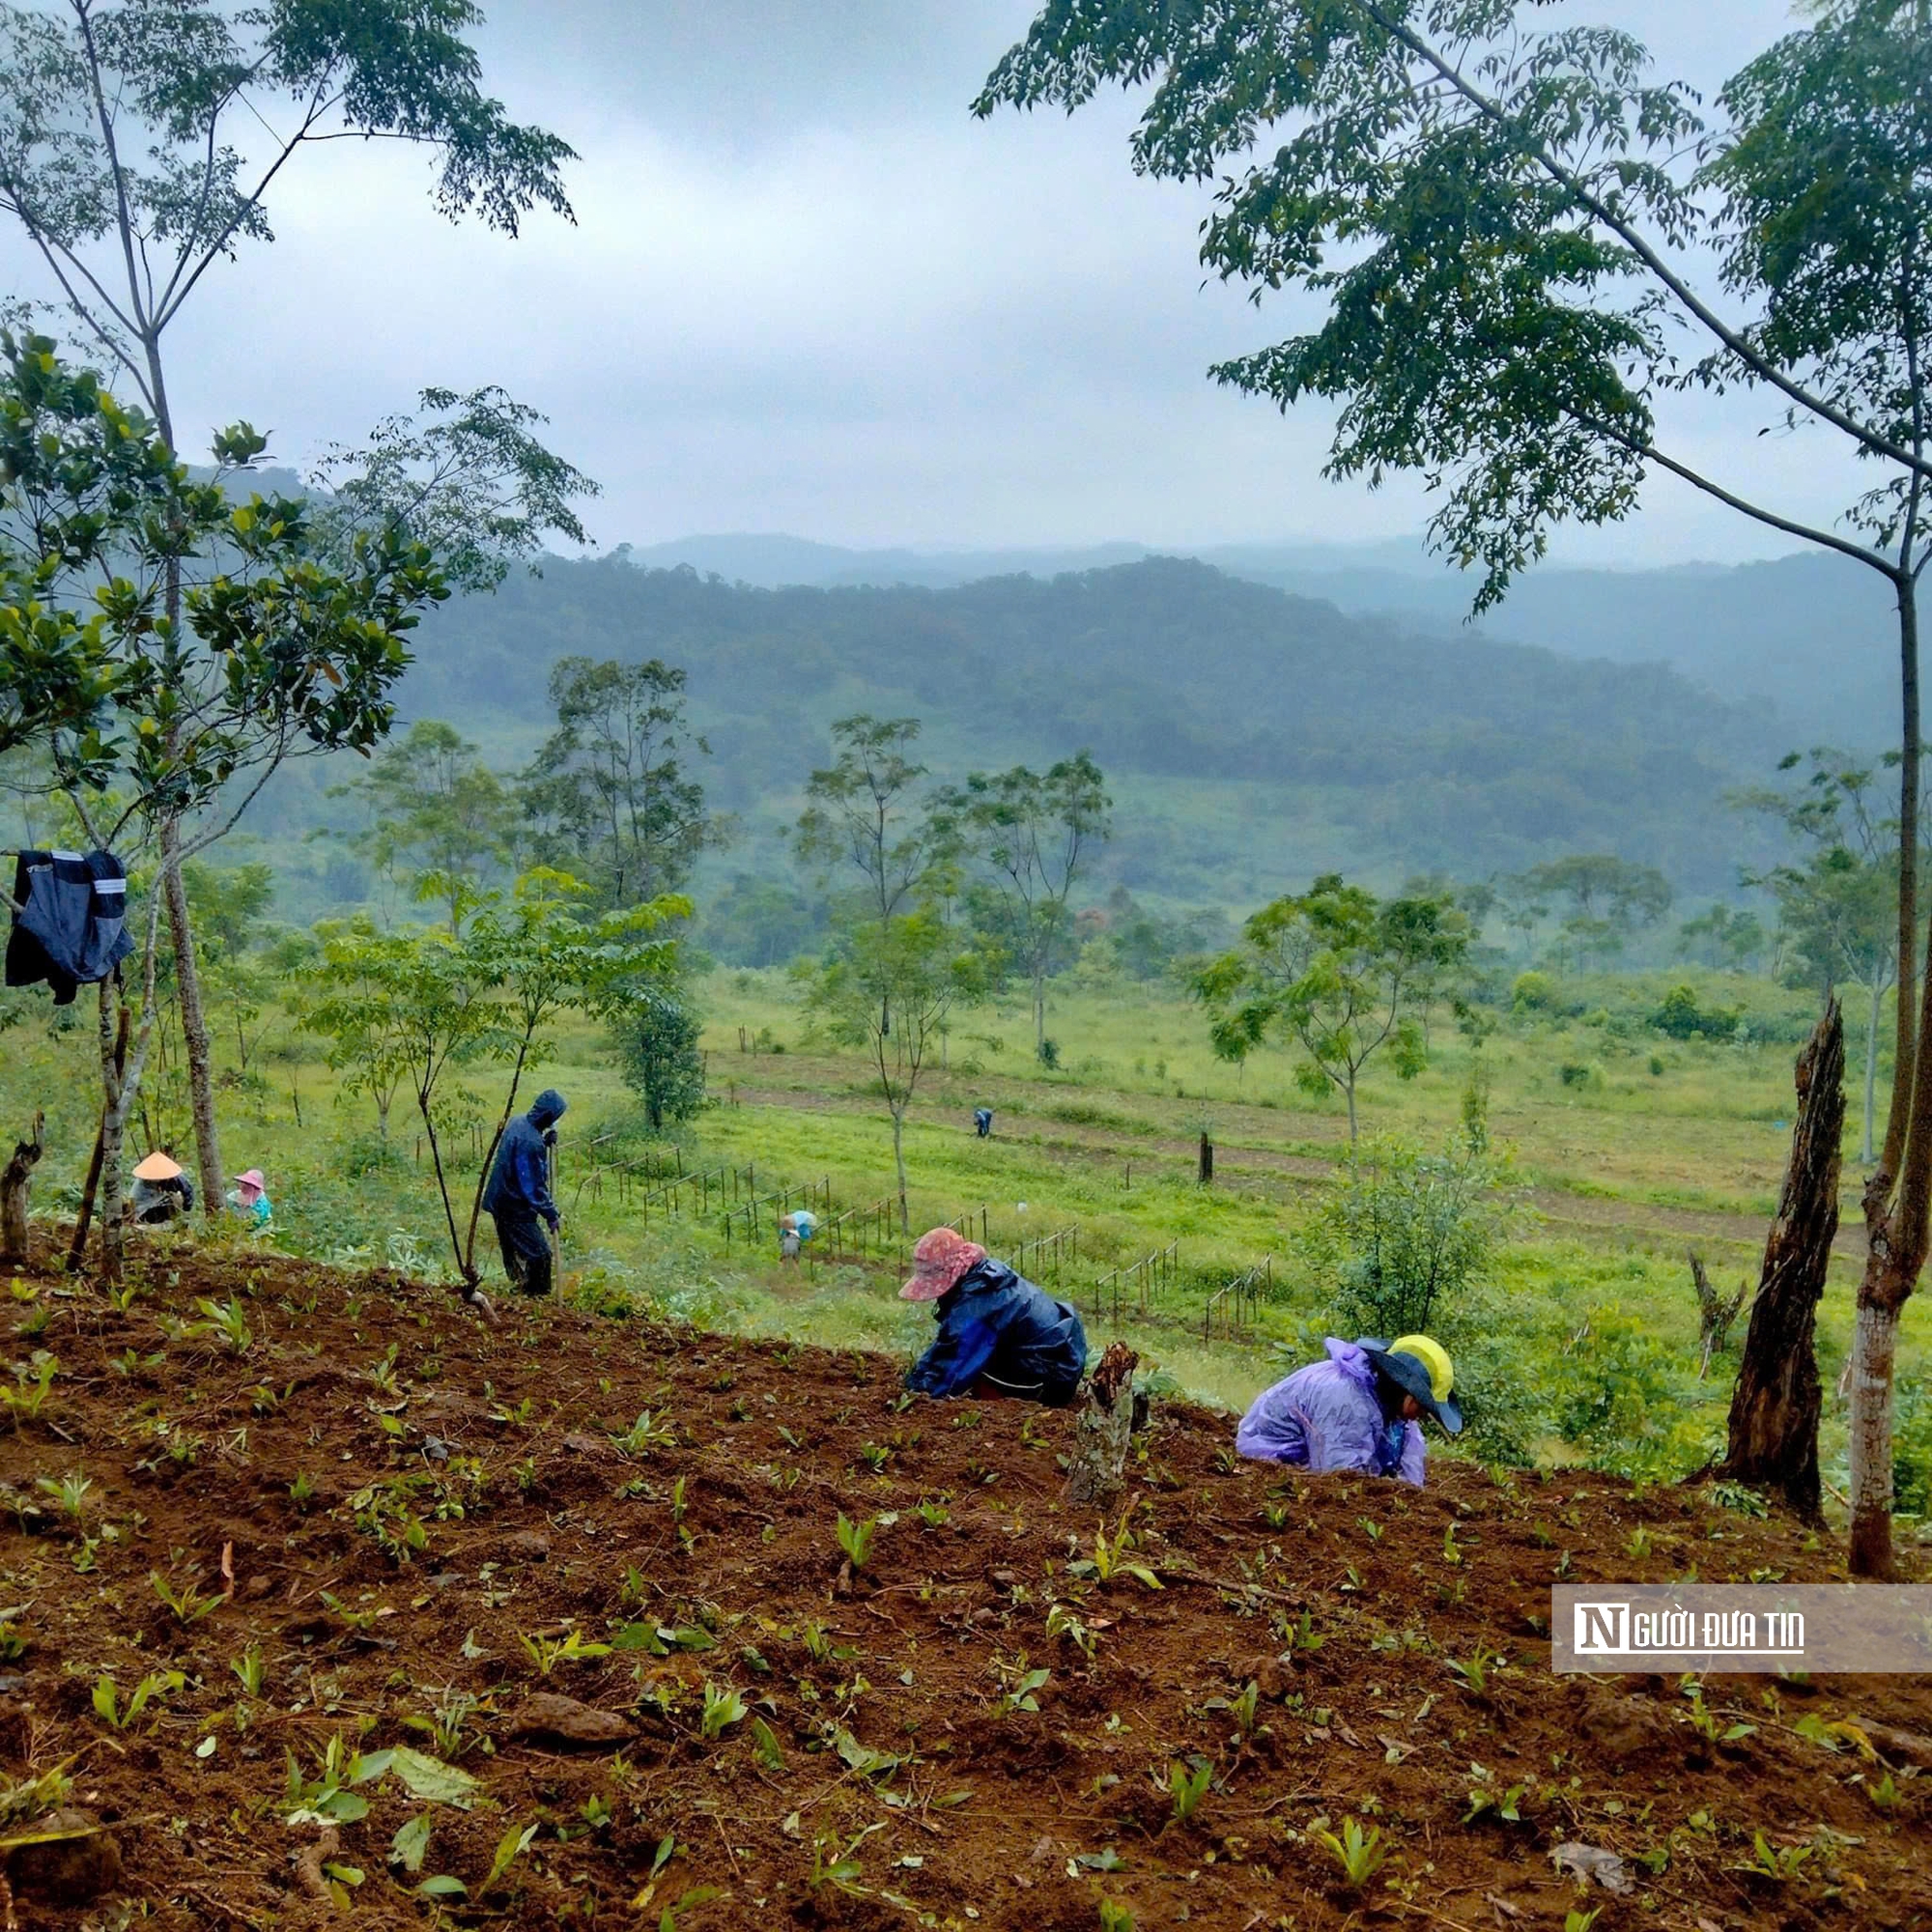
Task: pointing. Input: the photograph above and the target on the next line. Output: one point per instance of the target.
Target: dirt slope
(458, 1510)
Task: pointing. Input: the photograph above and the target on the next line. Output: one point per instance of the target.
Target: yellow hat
(157, 1167)
(1434, 1358)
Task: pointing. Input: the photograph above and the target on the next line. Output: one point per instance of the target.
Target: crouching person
(518, 1197)
(1360, 1409)
(999, 1335)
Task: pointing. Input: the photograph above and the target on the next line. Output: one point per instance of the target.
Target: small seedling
(1884, 1794)
(1581, 1921)
(107, 1696)
(1508, 1807)
(1638, 1544)
(302, 1492)
(1114, 1917)
(765, 1744)
(834, 1864)
(1371, 1529)
(35, 1376)
(1110, 1558)
(183, 1601)
(934, 1515)
(875, 1456)
(230, 1321)
(70, 1491)
(1778, 1862)
(510, 1847)
(1451, 1555)
(855, 1539)
(1474, 1674)
(1021, 1693)
(724, 1707)
(1186, 1788)
(547, 1652)
(1061, 1622)
(649, 1432)
(250, 1672)
(1244, 1708)
(1360, 1854)
(448, 1723)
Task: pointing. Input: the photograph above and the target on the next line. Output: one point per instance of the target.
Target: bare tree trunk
(898, 1162)
(1038, 1009)
(1866, 1155)
(1348, 1088)
(84, 1218)
(1714, 1314)
(1097, 1467)
(1773, 1423)
(15, 1182)
(1205, 1171)
(194, 1024)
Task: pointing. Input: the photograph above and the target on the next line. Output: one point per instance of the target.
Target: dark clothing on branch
(1001, 1335)
(71, 926)
(518, 1197)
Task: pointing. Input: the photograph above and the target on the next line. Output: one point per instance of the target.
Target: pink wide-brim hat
(940, 1259)
(254, 1178)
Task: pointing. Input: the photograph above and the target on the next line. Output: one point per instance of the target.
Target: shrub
(1912, 1449)
(1623, 1402)
(1585, 1074)
(1532, 993)
(658, 1038)
(1683, 1018)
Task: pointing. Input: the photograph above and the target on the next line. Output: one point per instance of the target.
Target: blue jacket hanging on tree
(69, 921)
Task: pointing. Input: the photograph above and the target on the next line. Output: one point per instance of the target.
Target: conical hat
(157, 1167)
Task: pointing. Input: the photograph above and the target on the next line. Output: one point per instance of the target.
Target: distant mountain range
(1811, 632)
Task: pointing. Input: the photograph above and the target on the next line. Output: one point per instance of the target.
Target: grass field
(1649, 1148)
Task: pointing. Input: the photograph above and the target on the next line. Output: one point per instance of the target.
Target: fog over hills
(1811, 632)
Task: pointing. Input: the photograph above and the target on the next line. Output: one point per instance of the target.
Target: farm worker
(806, 1222)
(1360, 1409)
(983, 1121)
(790, 1240)
(998, 1335)
(517, 1195)
(161, 1190)
(249, 1198)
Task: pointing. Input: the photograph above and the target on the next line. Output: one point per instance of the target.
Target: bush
(657, 1039)
(1683, 1018)
(1532, 993)
(1404, 1234)
(1623, 1400)
(1912, 1450)
(371, 1153)
(1586, 1074)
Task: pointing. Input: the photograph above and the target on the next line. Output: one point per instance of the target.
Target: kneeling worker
(518, 1195)
(161, 1190)
(1360, 1409)
(998, 1335)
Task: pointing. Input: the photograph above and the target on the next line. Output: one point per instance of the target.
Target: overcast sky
(807, 292)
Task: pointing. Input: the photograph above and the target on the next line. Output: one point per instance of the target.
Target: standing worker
(1360, 1409)
(518, 1197)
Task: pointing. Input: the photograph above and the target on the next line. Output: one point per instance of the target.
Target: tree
(658, 1036)
(1338, 972)
(439, 820)
(123, 131)
(609, 789)
(341, 996)
(888, 989)
(1839, 904)
(1031, 830)
(1609, 897)
(1521, 907)
(1510, 230)
(221, 642)
(1722, 936)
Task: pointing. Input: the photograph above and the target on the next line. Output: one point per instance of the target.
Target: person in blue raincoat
(999, 1335)
(518, 1198)
(1360, 1409)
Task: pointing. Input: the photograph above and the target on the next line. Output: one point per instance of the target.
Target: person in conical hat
(161, 1191)
(1361, 1410)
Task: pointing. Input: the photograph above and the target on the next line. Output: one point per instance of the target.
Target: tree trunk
(1348, 1088)
(1205, 1165)
(1866, 1154)
(1714, 1314)
(1038, 1009)
(13, 1185)
(1097, 1467)
(194, 1024)
(84, 1217)
(1773, 1426)
(468, 1255)
(898, 1162)
(1874, 1346)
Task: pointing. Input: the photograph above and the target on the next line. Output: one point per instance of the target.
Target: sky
(806, 292)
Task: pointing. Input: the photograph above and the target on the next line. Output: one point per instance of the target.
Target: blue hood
(549, 1106)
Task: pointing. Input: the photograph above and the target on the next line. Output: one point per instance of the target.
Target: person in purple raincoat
(1360, 1409)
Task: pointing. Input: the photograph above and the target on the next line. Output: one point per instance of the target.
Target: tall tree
(1839, 903)
(439, 821)
(608, 791)
(139, 143)
(1031, 830)
(1609, 897)
(274, 651)
(1340, 974)
(1510, 230)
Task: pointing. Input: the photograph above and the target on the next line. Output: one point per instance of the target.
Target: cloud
(806, 292)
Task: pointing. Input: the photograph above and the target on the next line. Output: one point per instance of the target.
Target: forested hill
(1264, 733)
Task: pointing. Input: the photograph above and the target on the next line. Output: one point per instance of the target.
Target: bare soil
(401, 1512)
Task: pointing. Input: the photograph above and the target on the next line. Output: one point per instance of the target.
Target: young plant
(649, 1432)
(1116, 1917)
(1021, 1694)
(302, 1492)
(447, 1723)
(1186, 1788)
(834, 1864)
(548, 1651)
(183, 1601)
(1474, 1674)
(1061, 1622)
(1110, 1559)
(1371, 1529)
(510, 1847)
(1483, 1800)
(1581, 1921)
(107, 1696)
(724, 1707)
(934, 1515)
(1884, 1794)
(1360, 1854)
(765, 1744)
(35, 1376)
(855, 1539)
(230, 1321)
(1779, 1863)
(250, 1671)
(875, 1456)
(1245, 1708)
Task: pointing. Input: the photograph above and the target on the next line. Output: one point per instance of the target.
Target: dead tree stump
(14, 1181)
(1774, 1429)
(1205, 1168)
(1097, 1468)
(1714, 1314)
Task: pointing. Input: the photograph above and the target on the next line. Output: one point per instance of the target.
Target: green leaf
(513, 1844)
(410, 1843)
(432, 1781)
(442, 1887)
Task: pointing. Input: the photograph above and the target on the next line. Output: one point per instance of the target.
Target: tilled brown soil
(381, 1522)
